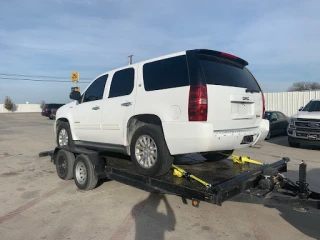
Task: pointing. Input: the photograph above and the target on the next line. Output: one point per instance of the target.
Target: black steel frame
(244, 184)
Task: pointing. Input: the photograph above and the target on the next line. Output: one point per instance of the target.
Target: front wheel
(292, 143)
(64, 136)
(149, 151)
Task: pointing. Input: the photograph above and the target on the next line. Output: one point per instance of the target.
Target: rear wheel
(292, 143)
(64, 164)
(149, 151)
(84, 175)
(64, 136)
(268, 136)
(217, 156)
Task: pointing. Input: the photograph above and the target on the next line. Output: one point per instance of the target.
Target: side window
(280, 116)
(274, 115)
(96, 89)
(166, 73)
(122, 83)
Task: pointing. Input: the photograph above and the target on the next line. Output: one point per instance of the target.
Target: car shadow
(149, 222)
(282, 140)
(305, 222)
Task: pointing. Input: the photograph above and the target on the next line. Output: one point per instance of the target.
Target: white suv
(200, 101)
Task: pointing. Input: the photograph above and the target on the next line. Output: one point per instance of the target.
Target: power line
(35, 76)
(36, 80)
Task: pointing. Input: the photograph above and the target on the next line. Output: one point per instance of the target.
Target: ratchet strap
(179, 172)
(242, 159)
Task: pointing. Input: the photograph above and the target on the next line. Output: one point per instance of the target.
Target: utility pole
(130, 59)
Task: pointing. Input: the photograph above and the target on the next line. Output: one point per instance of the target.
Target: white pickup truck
(304, 126)
(195, 101)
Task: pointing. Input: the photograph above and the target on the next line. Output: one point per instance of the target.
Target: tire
(162, 157)
(216, 156)
(64, 164)
(64, 126)
(268, 136)
(293, 144)
(84, 174)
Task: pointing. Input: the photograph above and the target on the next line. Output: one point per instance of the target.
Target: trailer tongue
(213, 182)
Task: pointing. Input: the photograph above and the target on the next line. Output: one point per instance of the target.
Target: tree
(8, 104)
(42, 104)
(304, 86)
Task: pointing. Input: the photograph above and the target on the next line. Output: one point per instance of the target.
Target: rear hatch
(235, 100)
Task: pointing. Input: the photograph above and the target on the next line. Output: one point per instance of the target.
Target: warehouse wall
(22, 108)
(289, 102)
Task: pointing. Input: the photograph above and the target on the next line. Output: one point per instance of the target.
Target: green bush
(8, 104)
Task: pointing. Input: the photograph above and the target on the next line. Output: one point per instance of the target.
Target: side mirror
(274, 120)
(300, 109)
(75, 95)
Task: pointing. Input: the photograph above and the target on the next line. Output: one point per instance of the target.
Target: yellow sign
(75, 76)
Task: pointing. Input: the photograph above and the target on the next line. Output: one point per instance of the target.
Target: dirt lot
(36, 204)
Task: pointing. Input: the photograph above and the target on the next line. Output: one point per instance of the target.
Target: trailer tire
(64, 164)
(216, 156)
(84, 174)
(163, 159)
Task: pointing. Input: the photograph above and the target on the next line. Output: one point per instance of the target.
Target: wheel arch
(139, 120)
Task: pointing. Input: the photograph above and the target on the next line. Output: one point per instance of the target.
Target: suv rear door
(234, 96)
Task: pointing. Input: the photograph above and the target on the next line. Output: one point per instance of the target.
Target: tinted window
(274, 116)
(96, 89)
(267, 115)
(225, 73)
(312, 106)
(122, 83)
(166, 73)
(281, 116)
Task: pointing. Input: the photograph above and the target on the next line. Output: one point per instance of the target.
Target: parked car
(305, 125)
(47, 108)
(278, 123)
(192, 101)
(53, 114)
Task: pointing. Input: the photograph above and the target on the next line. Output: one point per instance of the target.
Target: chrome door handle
(96, 108)
(126, 104)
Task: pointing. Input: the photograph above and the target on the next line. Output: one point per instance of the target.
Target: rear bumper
(191, 137)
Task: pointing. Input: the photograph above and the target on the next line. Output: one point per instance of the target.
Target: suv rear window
(221, 72)
(166, 73)
(312, 106)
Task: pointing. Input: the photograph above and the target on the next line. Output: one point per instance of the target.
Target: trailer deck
(224, 179)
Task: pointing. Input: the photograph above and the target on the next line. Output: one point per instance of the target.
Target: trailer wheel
(84, 175)
(217, 156)
(64, 164)
(149, 152)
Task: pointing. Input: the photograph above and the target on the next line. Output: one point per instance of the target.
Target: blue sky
(279, 39)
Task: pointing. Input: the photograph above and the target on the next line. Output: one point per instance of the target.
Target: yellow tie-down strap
(179, 172)
(242, 159)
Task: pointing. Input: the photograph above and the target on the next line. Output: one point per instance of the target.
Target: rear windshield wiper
(252, 91)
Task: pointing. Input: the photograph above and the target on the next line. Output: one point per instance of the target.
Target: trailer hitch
(301, 196)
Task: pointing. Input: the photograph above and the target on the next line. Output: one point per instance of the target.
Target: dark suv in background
(47, 109)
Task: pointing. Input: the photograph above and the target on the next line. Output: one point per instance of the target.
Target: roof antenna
(130, 59)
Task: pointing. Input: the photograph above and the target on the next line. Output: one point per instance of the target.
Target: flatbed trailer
(215, 182)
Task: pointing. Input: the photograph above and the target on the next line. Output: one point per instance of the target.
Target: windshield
(225, 73)
(312, 106)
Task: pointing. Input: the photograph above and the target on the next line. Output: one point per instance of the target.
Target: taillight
(47, 110)
(228, 55)
(263, 104)
(198, 103)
